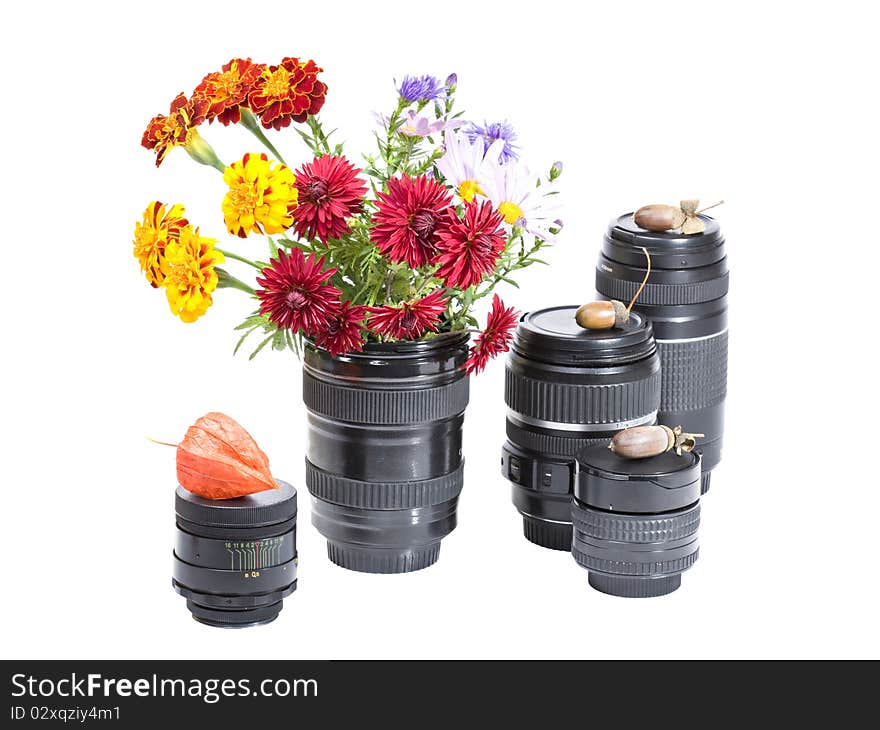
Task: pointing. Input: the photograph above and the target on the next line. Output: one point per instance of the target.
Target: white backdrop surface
(771, 106)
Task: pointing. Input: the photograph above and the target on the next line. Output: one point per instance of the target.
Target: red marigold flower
(330, 192)
(469, 249)
(226, 91)
(495, 339)
(408, 217)
(409, 320)
(164, 132)
(295, 294)
(343, 333)
(290, 90)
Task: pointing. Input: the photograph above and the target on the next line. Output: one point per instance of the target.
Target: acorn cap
(620, 313)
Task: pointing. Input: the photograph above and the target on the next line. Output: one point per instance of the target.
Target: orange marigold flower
(261, 197)
(191, 276)
(164, 132)
(226, 91)
(290, 90)
(151, 237)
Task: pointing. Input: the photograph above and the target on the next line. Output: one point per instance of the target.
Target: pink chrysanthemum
(469, 249)
(343, 333)
(409, 320)
(408, 218)
(330, 192)
(295, 294)
(495, 339)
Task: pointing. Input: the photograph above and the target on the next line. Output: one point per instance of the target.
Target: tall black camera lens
(235, 559)
(686, 299)
(636, 521)
(567, 388)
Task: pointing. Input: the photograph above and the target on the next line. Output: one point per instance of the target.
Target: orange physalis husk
(218, 459)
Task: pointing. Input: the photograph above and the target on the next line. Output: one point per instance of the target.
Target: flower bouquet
(373, 273)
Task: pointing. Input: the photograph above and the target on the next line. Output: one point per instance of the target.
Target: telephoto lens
(636, 520)
(235, 559)
(384, 458)
(686, 300)
(567, 388)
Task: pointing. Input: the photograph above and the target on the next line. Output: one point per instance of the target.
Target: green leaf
(261, 346)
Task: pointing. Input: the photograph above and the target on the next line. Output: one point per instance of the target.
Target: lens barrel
(636, 521)
(567, 388)
(686, 300)
(384, 460)
(235, 560)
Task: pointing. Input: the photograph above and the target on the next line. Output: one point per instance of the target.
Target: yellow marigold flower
(191, 276)
(159, 227)
(261, 197)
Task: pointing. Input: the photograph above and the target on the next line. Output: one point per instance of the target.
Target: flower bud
(555, 170)
(201, 151)
(451, 82)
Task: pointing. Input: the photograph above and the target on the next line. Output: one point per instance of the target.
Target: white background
(771, 106)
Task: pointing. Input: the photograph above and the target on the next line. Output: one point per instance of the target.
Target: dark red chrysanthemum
(495, 339)
(226, 91)
(330, 192)
(469, 249)
(290, 90)
(295, 294)
(344, 332)
(409, 320)
(408, 217)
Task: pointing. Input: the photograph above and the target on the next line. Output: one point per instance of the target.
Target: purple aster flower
(421, 88)
(490, 133)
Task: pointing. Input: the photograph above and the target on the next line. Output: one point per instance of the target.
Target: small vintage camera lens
(636, 521)
(235, 560)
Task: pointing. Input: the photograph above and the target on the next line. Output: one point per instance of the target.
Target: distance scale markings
(255, 554)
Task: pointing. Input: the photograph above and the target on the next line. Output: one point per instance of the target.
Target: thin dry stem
(644, 281)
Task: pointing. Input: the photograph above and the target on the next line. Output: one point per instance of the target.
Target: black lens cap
(269, 507)
(673, 249)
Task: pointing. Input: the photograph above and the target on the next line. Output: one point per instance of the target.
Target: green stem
(249, 122)
(228, 281)
(230, 255)
(321, 142)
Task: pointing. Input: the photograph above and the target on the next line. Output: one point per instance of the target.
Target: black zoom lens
(636, 521)
(686, 300)
(235, 559)
(384, 464)
(567, 388)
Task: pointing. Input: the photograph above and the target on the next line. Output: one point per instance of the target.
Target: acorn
(601, 315)
(642, 442)
(607, 314)
(667, 217)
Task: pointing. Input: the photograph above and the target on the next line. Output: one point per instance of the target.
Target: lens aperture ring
(662, 294)
(383, 495)
(385, 407)
(633, 568)
(636, 528)
(694, 373)
(557, 402)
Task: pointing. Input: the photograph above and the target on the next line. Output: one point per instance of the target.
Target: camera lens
(636, 521)
(567, 388)
(384, 464)
(235, 559)
(686, 300)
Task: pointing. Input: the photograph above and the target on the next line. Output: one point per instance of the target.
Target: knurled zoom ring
(582, 404)
(662, 294)
(543, 443)
(383, 495)
(694, 373)
(385, 407)
(625, 567)
(634, 528)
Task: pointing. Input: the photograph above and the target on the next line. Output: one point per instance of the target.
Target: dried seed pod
(605, 315)
(642, 442)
